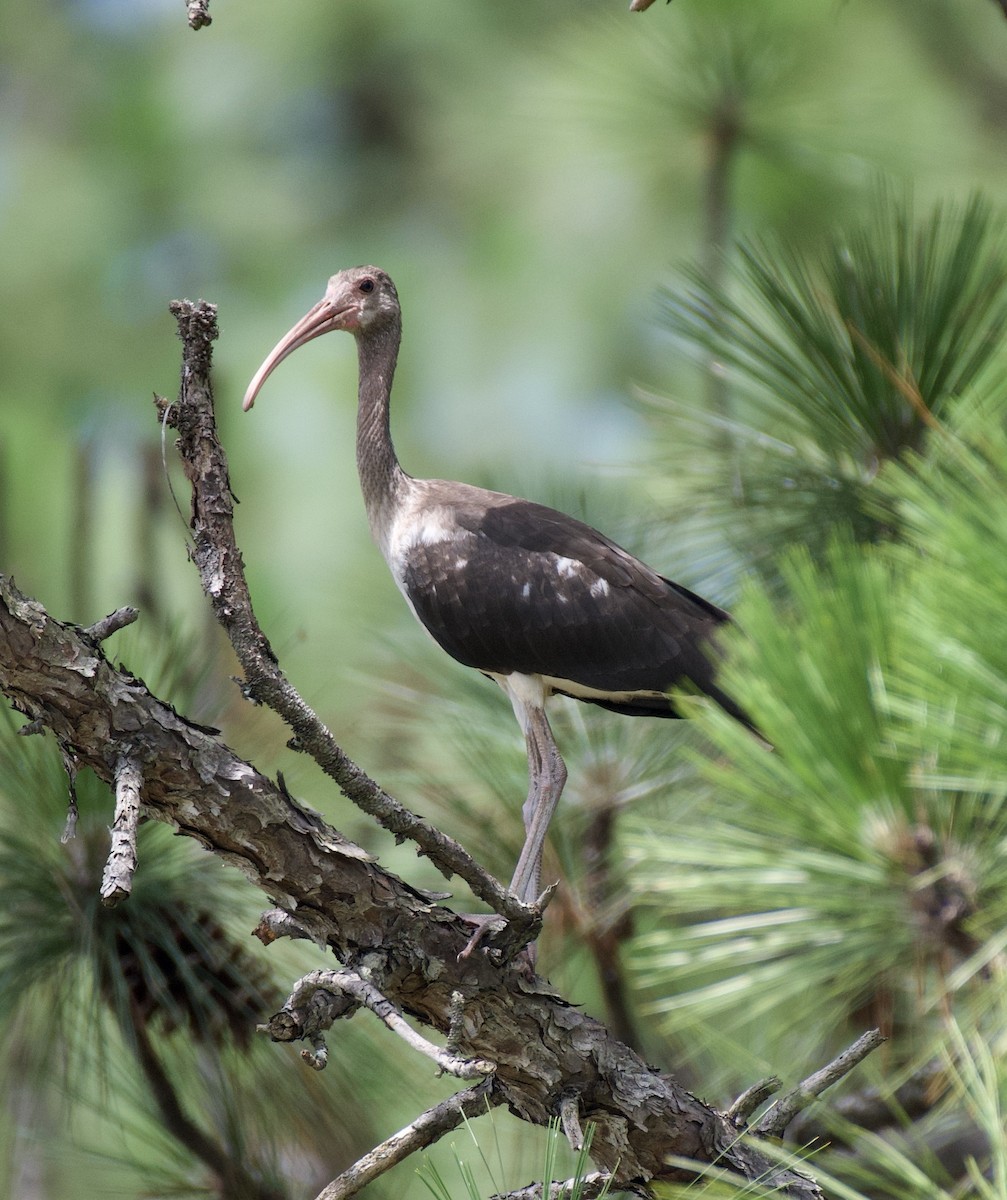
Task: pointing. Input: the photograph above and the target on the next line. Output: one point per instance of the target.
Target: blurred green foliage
(545, 182)
(844, 359)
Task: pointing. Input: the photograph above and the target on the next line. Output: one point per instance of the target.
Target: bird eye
(366, 285)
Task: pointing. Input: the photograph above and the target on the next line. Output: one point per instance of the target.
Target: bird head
(359, 299)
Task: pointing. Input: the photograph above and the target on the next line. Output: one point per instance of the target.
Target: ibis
(536, 600)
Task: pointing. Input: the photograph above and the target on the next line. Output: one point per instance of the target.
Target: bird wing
(519, 587)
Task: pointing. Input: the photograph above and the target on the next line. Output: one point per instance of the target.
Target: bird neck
(381, 477)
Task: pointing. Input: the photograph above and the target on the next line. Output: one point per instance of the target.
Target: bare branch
(345, 983)
(198, 13)
(115, 621)
(752, 1097)
(588, 1186)
(275, 923)
(569, 1115)
(424, 1131)
(540, 1043)
(347, 901)
(401, 974)
(222, 574)
(779, 1116)
(873, 1108)
(117, 878)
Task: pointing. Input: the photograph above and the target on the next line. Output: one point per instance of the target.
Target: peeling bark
(543, 1047)
(548, 1054)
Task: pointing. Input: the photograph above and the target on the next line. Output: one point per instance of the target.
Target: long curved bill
(323, 318)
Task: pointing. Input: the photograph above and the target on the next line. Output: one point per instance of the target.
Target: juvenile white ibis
(534, 599)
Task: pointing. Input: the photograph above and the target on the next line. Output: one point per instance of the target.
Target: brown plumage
(536, 600)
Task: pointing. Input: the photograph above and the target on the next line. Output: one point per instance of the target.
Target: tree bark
(542, 1046)
(405, 943)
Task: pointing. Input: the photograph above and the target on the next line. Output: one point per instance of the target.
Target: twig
(198, 13)
(775, 1121)
(873, 1108)
(587, 1187)
(115, 621)
(542, 1042)
(456, 1022)
(71, 765)
(275, 923)
(222, 574)
(424, 1131)
(569, 1115)
(752, 1097)
(317, 1057)
(349, 984)
(306, 1015)
(117, 878)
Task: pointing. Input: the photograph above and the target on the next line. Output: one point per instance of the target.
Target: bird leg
(546, 779)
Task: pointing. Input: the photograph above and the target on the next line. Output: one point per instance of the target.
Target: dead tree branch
(872, 1108)
(752, 1097)
(198, 13)
(418, 1135)
(103, 629)
(222, 574)
(775, 1121)
(543, 1047)
(344, 983)
(117, 879)
(546, 1051)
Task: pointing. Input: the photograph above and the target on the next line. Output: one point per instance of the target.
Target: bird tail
(735, 710)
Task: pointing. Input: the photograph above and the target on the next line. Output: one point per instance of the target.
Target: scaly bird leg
(546, 779)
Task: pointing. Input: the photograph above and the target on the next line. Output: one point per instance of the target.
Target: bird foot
(486, 924)
(508, 937)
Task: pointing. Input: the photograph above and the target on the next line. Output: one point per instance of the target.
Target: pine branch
(326, 993)
(543, 1047)
(548, 1053)
(222, 574)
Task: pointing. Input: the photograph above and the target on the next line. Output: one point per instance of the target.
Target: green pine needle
(836, 363)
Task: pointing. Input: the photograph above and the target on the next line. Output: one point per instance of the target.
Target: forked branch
(589, 1096)
(775, 1121)
(547, 1052)
(222, 574)
(323, 995)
